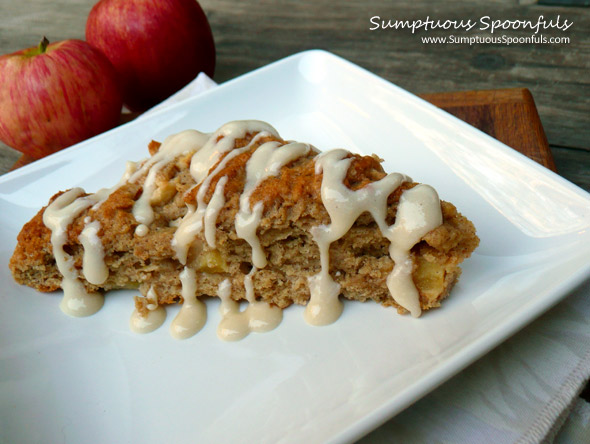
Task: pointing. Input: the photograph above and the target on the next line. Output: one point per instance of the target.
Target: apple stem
(43, 45)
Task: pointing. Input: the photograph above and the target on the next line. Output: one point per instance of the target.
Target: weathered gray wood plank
(24, 22)
(574, 165)
(8, 157)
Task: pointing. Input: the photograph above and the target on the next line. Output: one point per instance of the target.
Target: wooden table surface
(253, 33)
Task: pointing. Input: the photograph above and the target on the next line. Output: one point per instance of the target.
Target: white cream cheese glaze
(141, 230)
(418, 212)
(192, 223)
(142, 208)
(222, 141)
(155, 317)
(57, 217)
(344, 207)
(213, 208)
(146, 324)
(93, 267)
(172, 147)
(103, 194)
(259, 316)
(193, 313)
(267, 161)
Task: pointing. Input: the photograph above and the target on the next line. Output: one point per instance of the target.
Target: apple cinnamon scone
(242, 214)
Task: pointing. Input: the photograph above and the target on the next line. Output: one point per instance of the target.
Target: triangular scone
(245, 215)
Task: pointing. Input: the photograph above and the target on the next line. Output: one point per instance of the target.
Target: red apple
(53, 96)
(156, 46)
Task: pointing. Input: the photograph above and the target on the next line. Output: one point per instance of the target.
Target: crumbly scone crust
(359, 261)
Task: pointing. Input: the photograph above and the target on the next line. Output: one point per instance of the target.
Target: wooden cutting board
(509, 115)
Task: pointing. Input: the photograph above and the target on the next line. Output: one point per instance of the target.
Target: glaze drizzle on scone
(238, 165)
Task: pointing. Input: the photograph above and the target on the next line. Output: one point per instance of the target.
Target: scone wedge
(242, 214)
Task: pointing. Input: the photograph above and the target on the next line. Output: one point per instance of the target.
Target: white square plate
(92, 380)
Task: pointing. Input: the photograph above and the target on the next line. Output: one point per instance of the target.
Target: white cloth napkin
(522, 392)
(201, 83)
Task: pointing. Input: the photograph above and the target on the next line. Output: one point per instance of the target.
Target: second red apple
(156, 46)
